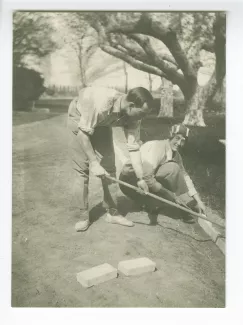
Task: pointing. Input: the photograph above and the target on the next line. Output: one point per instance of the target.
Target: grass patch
(57, 107)
(19, 118)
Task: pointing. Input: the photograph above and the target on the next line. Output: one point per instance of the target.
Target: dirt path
(47, 252)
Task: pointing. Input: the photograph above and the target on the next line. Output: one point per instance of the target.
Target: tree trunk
(83, 77)
(150, 82)
(126, 77)
(218, 101)
(33, 108)
(82, 70)
(194, 112)
(197, 100)
(166, 101)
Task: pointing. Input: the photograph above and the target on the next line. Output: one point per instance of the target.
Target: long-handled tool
(164, 200)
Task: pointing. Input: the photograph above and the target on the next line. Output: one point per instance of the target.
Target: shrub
(28, 85)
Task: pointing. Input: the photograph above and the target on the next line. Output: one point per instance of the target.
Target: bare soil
(47, 252)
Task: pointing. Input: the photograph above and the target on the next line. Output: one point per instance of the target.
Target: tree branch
(133, 62)
(169, 58)
(134, 51)
(171, 72)
(145, 25)
(89, 52)
(106, 47)
(208, 46)
(163, 56)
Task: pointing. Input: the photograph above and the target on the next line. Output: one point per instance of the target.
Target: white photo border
(234, 271)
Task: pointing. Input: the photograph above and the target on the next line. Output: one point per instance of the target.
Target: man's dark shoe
(187, 218)
(153, 216)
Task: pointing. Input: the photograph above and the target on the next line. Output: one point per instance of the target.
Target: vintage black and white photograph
(118, 159)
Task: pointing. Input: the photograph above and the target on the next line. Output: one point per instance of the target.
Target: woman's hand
(201, 207)
(143, 186)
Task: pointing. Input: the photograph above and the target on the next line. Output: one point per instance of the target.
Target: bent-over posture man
(91, 117)
(164, 173)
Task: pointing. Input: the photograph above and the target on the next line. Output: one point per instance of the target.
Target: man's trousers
(102, 142)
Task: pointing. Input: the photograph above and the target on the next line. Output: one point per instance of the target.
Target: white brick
(221, 244)
(209, 229)
(96, 275)
(136, 266)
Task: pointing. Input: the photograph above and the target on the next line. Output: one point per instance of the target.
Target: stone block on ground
(221, 244)
(136, 266)
(96, 275)
(209, 229)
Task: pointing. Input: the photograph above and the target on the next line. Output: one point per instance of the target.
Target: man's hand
(179, 201)
(143, 186)
(97, 170)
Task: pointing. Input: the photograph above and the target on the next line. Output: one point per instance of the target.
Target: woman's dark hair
(139, 96)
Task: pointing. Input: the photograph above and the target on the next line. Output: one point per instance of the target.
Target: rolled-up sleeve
(89, 114)
(152, 151)
(191, 189)
(132, 134)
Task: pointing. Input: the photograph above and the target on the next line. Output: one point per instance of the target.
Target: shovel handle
(198, 215)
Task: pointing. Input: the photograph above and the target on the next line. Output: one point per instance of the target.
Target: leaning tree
(168, 45)
(77, 36)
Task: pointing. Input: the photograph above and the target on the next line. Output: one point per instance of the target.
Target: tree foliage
(33, 39)
(32, 36)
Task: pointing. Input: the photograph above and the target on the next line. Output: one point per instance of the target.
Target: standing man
(164, 174)
(91, 117)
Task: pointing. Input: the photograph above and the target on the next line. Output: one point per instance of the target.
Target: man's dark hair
(139, 96)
